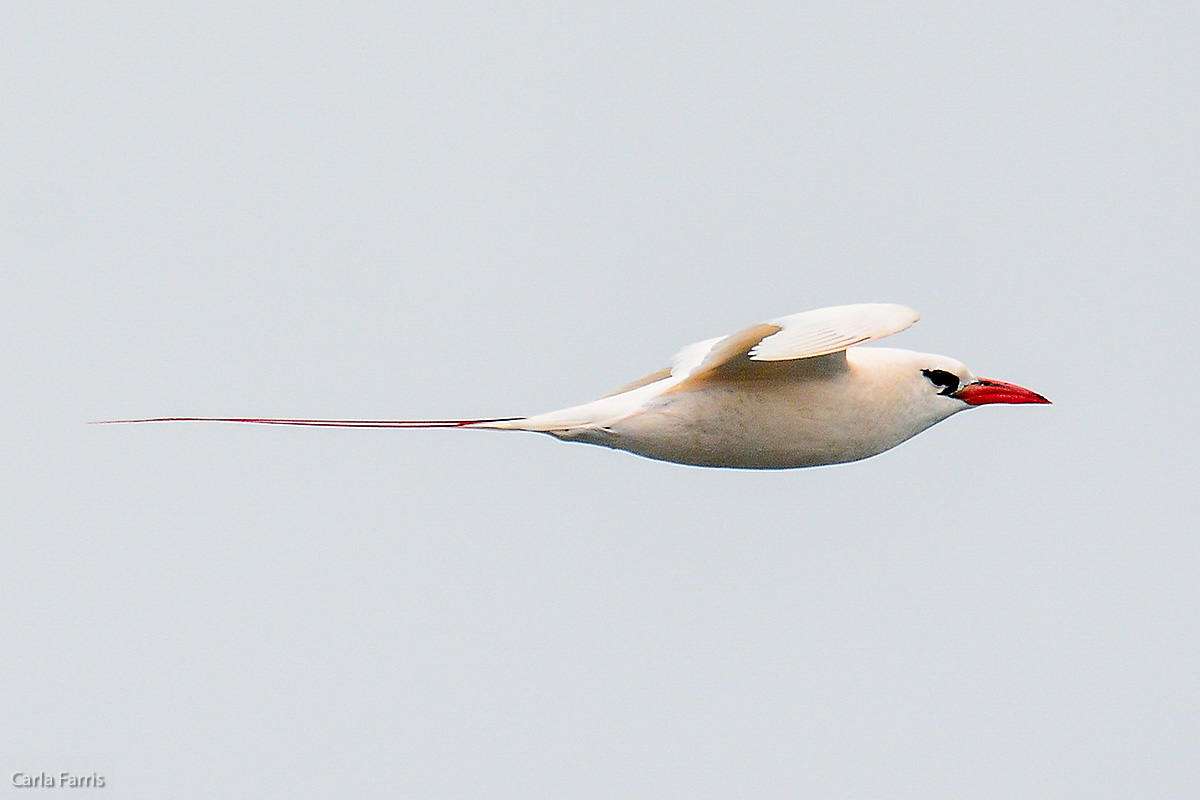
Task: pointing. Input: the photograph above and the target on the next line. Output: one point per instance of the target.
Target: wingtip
(907, 312)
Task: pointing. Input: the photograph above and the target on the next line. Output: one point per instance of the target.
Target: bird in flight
(797, 391)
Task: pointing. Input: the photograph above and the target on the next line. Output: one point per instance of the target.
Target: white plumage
(796, 391)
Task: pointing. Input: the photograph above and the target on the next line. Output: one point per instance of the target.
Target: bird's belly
(765, 430)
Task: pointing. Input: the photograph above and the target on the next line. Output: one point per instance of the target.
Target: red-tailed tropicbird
(796, 391)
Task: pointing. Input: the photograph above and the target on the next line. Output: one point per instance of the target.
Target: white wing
(692, 356)
(807, 335)
(829, 330)
(799, 336)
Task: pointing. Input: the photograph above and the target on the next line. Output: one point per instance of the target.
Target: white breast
(797, 416)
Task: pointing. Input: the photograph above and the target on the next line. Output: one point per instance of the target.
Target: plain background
(442, 209)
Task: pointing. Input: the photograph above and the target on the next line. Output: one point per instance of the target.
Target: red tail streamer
(324, 423)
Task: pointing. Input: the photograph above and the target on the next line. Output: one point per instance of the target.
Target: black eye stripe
(948, 381)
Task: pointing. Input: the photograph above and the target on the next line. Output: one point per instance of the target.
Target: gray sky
(453, 209)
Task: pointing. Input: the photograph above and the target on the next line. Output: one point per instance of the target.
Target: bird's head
(932, 387)
(951, 379)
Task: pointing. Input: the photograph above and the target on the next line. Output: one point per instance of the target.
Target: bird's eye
(947, 382)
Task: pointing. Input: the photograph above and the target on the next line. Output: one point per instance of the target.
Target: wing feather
(822, 332)
(828, 330)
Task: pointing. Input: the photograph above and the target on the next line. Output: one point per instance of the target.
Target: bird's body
(776, 415)
(797, 391)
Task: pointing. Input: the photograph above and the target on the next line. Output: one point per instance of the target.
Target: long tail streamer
(325, 423)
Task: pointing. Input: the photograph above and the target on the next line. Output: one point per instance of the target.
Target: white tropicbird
(796, 391)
